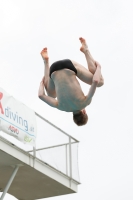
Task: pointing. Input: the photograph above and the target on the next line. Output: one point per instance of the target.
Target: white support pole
(70, 160)
(9, 182)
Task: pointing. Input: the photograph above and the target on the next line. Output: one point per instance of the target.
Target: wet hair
(80, 118)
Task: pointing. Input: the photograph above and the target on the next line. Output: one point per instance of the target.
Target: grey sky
(106, 142)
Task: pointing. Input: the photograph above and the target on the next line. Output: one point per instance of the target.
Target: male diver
(62, 86)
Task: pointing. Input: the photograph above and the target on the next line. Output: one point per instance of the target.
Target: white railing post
(66, 161)
(70, 160)
(34, 151)
(34, 154)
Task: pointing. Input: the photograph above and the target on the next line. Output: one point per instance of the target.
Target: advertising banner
(16, 119)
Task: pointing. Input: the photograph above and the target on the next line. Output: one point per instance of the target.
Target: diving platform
(36, 173)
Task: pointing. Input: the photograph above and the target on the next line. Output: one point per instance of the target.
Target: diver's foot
(44, 54)
(84, 46)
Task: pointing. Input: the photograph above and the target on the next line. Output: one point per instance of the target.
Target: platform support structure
(9, 182)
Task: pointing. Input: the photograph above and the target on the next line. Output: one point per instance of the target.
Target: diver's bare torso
(68, 91)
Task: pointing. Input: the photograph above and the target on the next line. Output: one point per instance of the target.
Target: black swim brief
(62, 64)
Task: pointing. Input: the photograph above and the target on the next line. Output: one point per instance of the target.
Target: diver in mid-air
(60, 81)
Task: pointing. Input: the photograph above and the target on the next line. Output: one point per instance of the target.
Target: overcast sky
(106, 142)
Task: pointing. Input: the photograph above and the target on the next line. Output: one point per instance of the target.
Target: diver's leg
(90, 61)
(48, 82)
(89, 58)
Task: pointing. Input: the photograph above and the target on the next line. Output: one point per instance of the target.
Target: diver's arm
(47, 99)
